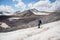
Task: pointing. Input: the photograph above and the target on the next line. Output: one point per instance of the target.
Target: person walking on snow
(39, 23)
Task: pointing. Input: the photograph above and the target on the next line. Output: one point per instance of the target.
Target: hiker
(39, 23)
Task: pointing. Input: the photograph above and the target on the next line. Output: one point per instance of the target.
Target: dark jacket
(39, 22)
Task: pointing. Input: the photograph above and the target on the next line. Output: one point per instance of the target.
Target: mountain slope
(49, 31)
(29, 19)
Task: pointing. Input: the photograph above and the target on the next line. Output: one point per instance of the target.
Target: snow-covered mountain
(31, 12)
(28, 19)
(6, 13)
(49, 31)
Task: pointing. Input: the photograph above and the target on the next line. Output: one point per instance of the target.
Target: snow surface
(4, 25)
(49, 31)
(13, 18)
(39, 13)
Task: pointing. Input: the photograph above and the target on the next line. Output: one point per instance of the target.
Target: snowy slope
(39, 13)
(46, 32)
(51, 34)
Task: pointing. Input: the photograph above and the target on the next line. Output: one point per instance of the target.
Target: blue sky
(11, 3)
(25, 2)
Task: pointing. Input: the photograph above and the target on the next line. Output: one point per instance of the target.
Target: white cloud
(42, 5)
(6, 8)
(30, 5)
(56, 5)
(45, 5)
(20, 4)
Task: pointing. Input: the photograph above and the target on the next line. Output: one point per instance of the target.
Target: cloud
(30, 5)
(6, 8)
(42, 5)
(45, 5)
(20, 4)
(56, 5)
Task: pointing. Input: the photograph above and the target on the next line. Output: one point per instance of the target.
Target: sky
(21, 5)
